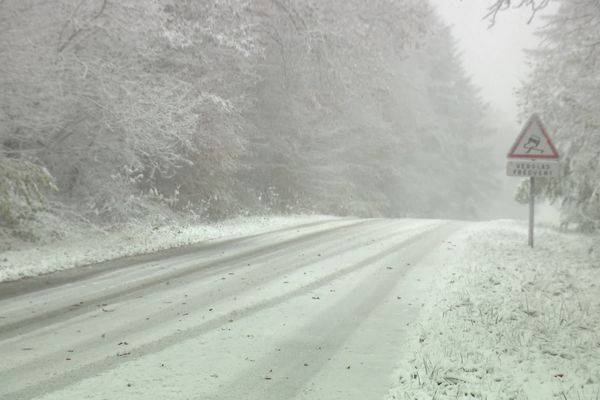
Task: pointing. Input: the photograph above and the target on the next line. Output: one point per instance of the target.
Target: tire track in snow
(88, 303)
(169, 340)
(181, 283)
(19, 288)
(333, 326)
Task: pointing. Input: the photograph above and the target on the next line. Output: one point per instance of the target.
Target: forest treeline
(116, 110)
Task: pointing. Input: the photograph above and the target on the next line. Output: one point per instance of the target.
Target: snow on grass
(138, 239)
(507, 321)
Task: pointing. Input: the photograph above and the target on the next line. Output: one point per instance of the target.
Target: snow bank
(509, 322)
(141, 239)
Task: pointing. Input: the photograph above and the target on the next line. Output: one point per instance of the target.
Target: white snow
(481, 316)
(507, 321)
(138, 239)
(311, 319)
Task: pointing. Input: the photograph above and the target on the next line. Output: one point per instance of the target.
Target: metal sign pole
(531, 208)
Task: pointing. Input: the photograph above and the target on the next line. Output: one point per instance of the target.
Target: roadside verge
(136, 240)
(508, 322)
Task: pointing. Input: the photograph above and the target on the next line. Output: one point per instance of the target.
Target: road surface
(317, 311)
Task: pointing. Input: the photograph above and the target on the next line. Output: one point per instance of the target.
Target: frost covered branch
(500, 5)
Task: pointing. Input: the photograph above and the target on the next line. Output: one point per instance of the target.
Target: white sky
(493, 57)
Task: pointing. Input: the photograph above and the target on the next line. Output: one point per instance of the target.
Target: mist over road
(314, 311)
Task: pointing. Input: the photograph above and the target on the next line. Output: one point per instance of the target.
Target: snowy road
(317, 311)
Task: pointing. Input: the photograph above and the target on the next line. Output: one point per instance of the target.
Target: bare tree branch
(501, 5)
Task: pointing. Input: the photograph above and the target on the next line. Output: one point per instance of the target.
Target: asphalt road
(317, 311)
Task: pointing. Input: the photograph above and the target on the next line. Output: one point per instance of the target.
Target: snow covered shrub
(22, 187)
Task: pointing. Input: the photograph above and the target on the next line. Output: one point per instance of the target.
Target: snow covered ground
(507, 321)
(139, 239)
(310, 312)
(322, 309)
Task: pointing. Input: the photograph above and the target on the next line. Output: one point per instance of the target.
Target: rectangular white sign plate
(537, 168)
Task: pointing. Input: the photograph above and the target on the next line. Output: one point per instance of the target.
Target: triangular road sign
(533, 142)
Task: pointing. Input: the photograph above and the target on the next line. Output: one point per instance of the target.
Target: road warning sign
(533, 155)
(533, 142)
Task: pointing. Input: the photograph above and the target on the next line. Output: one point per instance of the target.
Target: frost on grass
(510, 322)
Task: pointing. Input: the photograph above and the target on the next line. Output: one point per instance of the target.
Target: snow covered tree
(326, 72)
(564, 89)
(340, 112)
(456, 138)
(229, 106)
(121, 100)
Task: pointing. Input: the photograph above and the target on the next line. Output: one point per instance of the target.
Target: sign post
(531, 208)
(533, 155)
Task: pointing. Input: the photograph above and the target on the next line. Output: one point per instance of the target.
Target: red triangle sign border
(533, 119)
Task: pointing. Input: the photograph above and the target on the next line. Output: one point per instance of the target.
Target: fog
(299, 199)
(116, 112)
(495, 56)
